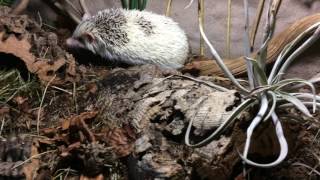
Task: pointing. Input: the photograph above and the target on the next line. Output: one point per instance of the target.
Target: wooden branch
(238, 65)
(20, 7)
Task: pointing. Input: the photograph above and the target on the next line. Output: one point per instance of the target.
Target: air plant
(134, 4)
(268, 92)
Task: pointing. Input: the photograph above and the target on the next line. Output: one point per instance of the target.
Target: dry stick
(208, 83)
(168, 10)
(2, 125)
(63, 90)
(201, 22)
(87, 131)
(190, 3)
(41, 103)
(229, 29)
(84, 7)
(20, 7)
(251, 77)
(256, 24)
(32, 157)
(74, 93)
(74, 17)
(306, 166)
(73, 6)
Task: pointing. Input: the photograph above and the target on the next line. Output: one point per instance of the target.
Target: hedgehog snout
(74, 43)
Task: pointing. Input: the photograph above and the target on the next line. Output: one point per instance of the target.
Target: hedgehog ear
(88, 36)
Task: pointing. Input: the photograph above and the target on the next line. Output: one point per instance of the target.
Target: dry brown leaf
(17, 41)
(30, 169)
(20, 100)
(79, 122)
(4, 110)
(120, 140)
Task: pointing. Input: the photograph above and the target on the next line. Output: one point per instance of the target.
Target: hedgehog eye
(81, 40)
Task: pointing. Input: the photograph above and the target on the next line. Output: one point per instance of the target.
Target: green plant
(6, 2)
(134, 4)
(12, 84)
(267, 91)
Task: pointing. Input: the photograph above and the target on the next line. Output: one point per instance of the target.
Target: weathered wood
(276, 45)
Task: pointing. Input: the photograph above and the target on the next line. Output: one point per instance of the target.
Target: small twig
(63, 90)
(49, 26)
(75, 97)
(169, 5)
(256, 24)
(45, 53)
(2, 125)
(220, 88)
(73, 6)
(201, 22)
(41, 103)
(20, 7)
(190, 3)
(74, 17)
(306, 166)
(316, 136)
(246, 41)
(88, 131)
(229, 29)
(32, 157)
(84, 7)
(40, 19)
(66, 176)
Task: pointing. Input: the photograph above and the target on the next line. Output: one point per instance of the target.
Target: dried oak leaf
(79, 122)
(20, 36)
(121, 140)
(41, 67)
(30, 169)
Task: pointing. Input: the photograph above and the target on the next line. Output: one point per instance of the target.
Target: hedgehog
(133, 37)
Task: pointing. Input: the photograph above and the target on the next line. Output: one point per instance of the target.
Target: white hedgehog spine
(133, 37)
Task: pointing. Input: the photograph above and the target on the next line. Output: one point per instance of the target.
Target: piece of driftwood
(157, 108)
(238, 65)
(37, 49)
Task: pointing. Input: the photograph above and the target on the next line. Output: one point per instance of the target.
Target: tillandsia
(267, 91)
(134, 4)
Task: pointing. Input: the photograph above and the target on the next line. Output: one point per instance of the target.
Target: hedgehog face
(83, 37)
